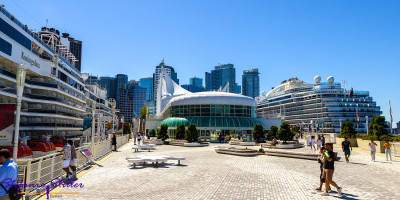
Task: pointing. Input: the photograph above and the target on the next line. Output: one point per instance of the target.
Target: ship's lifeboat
(50, 144)
(58, 141)
(23, 150)
(37, 145)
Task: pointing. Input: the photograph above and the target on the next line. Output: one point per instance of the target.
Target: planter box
(363, 144)
(353, 141)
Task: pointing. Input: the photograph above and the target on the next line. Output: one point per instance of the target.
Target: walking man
(372, 145)
(114, 142)
(323, 140)
(387, 146)
(329, 167)
(9, 171)
(346, 145)
(66, 151)
(72, 163)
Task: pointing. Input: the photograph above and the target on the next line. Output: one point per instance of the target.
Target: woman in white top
(372, 145)
(312, 142)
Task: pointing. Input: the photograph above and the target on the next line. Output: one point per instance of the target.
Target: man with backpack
(8, 174)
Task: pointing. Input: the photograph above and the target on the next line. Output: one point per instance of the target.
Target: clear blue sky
(357, 41)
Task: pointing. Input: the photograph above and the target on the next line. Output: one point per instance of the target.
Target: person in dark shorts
(329, 167)
(114, 142)
(346, 146)
(321, 166)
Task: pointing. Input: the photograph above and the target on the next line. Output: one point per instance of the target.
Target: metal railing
(44, 169)
(396, 149)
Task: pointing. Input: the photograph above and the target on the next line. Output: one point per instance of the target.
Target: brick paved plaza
(208, 175)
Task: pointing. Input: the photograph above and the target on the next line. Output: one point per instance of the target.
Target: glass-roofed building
(214, 112)
(319, 107)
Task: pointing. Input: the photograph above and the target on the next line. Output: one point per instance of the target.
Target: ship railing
(44, 169)
(396, 149)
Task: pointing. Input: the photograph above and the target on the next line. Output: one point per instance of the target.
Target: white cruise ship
(55, 98)
(319, 107)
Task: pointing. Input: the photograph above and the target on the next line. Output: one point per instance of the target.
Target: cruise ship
(55, 98)
(318, 107)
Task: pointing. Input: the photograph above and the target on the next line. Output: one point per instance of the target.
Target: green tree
(144, 112)
(180, 132)
(127, 128)
(296, 129)
(378, 126)
(258, 132)
(192, 135)
(232, 133)
(285, 133)
(347, 130)
(163, 133)
(273, 131)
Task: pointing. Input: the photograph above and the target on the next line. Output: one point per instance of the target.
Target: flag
(390, 112)
(351, 92)
(358, 117)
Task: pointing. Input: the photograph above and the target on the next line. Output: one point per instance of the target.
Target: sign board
(6, 123)
(86, 152)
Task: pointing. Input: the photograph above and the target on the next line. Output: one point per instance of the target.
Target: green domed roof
(225, 122)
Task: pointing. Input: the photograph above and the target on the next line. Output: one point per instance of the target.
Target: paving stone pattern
(208, 175)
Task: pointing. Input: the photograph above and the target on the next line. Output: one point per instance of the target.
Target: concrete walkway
(208, 175)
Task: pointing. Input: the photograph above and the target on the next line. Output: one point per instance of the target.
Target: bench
(176, 158)
(136, 161)
(143, 148)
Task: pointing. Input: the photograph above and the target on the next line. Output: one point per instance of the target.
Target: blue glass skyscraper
(148, 84)
(220, 77)
(251, 83)
(196, 81)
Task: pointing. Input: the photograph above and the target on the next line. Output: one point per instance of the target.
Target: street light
(20, 81)
(93, 124)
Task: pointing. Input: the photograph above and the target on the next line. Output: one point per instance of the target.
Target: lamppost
(20, 81)
(93, 124)
(122, 119)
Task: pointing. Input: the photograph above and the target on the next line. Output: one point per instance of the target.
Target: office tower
(251, 83)
(238, 89)
(192, 88)
(196, 81)
(220, 77)
(168, 70)
(148, 84)
(133, 83)
(131, 101)
(75, 47)
(105, 82)
(120, 82)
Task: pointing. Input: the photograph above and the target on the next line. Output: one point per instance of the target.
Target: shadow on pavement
(357, 163)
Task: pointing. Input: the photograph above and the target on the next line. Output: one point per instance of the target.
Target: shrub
(273, 131)
(285, 133)
(192, 135)
(347, 130)
(378, 126)
(258, 132)
(180, 132)
(163, 133)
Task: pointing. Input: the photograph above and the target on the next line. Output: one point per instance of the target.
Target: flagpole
(358, 118)
(391, 120)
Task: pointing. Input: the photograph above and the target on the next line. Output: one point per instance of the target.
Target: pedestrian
(319, 143)
(114, 141)
(66, 151)
(274, 141)
(139, 138)
(321, 166)
(329, 168)
(226, 138)
(72, 163)
(143, 138)
(134, 138)
(8, 170)
(346, 146)
(240, 134)
(372, 145)
(387, 146)
(312, 142)
(323, 140)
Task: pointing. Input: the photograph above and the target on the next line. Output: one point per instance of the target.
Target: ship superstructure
(319, 107)
(55, 97)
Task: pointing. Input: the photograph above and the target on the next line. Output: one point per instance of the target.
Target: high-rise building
(251, 83)
(133, 83)
(148, 84)
(192, 88)
(131, 100)
(139, 99)
(75, 47)
(238, 89)
(220, 77)
(196, 81)
(120, 82)
(169, 71)
(105, 82)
